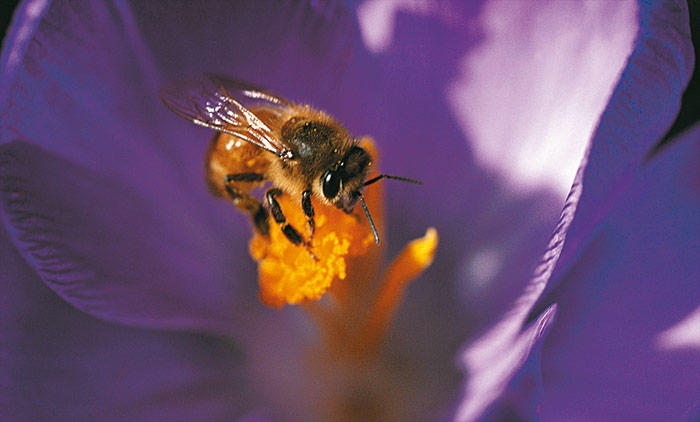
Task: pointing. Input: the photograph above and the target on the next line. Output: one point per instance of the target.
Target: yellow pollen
(288, 274)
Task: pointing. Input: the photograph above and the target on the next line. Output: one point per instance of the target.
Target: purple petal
(530, 94)
(19, 34)
(296, 49)
(85, 87)
(68, 94)
(57, 363)
(613, 352)
(506, 363)
(102, 247)
(641, 110)
(399, 98)
(439, 94)
(618, 211)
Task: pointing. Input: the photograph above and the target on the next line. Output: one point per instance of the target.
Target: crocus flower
(128, 292)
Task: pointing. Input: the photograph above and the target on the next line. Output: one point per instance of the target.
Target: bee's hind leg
(289, 231)
(246, 202)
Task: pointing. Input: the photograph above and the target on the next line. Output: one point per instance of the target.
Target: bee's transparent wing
(222, 104)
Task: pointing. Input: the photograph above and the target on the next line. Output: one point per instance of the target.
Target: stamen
(411, 262)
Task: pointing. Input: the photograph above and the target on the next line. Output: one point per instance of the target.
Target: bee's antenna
(369, 217)
(387, 176)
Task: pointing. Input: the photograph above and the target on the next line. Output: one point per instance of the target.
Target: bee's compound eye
(331, 184)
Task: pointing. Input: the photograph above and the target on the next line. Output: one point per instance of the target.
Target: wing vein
(222, 104)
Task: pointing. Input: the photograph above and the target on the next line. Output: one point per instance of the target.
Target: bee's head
(342, 184)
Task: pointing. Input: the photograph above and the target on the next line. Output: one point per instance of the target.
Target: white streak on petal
(377, 18)
(24, 23)
(529, 97)
(684, 335)
(496, 369)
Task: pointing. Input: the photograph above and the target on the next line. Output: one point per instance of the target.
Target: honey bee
(262, 137)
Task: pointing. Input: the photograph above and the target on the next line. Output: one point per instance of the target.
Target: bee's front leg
(308, 209)
(289, 231)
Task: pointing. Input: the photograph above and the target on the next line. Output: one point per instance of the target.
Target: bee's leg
(289, 231)
(308, 209)
(246, 202)
(244, 177)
